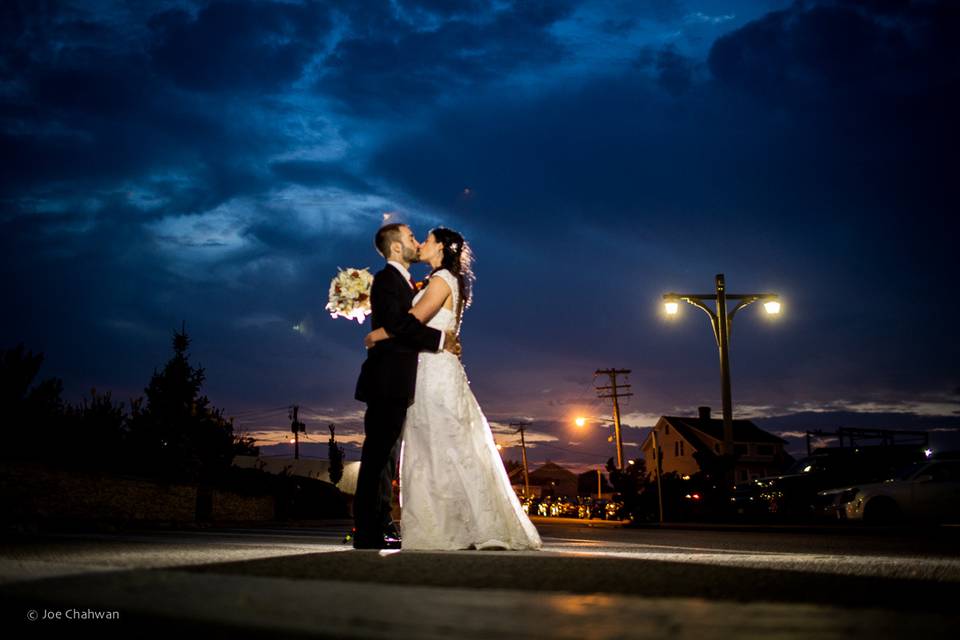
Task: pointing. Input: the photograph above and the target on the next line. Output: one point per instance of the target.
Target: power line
(574, 451)
(273, 409)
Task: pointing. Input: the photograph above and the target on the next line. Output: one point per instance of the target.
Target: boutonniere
(420, 284)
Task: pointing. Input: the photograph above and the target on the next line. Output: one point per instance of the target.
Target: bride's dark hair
(458, 260)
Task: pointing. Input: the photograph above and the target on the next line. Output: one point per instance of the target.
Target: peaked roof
(552, 469)
(688, 434)
(743, 430)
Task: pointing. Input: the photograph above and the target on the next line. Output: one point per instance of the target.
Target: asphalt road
(595, 581)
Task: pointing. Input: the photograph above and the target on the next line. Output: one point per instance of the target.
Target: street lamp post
(721, 321)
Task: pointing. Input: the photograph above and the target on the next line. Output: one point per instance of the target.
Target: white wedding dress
(454, 489)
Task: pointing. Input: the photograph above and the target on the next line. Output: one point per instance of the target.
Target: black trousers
(372, 502)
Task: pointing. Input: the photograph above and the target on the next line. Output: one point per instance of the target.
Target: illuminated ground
(598, 582)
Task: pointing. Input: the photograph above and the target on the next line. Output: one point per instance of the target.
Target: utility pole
(615, 391)
(523, 451)
(297, 427)
(599, 484)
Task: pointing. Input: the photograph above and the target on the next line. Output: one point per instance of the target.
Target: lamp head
(671, 304)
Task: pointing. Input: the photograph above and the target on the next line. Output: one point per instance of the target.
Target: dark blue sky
(216, 162)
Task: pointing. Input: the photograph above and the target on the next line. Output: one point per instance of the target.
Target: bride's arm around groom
(430, 302)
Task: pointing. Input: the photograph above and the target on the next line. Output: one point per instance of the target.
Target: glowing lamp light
(772, 307)
(580, 421)
(928, 453)
(672, 307)
(292, 440)
(499, 447)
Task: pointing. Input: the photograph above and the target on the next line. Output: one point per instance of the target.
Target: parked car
(928, 491)
(795, 494)
(550, 506)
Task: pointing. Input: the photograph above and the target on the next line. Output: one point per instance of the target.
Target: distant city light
(928, 452)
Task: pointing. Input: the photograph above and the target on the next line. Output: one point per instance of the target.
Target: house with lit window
(758, 452)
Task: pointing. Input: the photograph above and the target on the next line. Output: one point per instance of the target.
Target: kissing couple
(454, 489)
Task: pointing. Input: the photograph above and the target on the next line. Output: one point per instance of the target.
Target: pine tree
(178, 434)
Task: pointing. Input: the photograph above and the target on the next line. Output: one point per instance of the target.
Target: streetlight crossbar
(696, 299)
(713, 296)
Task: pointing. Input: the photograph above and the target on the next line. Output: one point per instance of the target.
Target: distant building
(516, 481)
(758, 453)
(549, 480)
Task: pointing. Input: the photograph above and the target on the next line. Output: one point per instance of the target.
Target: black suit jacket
(390, 370)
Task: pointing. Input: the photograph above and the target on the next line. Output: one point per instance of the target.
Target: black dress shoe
(357, 544)
(391, 543)
(384, 542)
(392, 531)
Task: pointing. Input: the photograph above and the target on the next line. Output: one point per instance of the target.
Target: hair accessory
(454, 246)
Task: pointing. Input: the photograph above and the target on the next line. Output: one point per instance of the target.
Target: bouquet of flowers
(350, 294)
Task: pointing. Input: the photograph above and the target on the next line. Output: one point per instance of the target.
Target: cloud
(848, 55)
(237, 46)
(640, 419)
(404, 66)
(675, 72)
(699, 16)
(312, 173)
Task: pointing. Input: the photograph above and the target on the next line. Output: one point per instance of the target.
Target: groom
(387, 381)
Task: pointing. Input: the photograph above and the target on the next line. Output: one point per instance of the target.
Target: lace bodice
(445, 319)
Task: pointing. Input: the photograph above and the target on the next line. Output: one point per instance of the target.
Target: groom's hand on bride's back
(451, 343)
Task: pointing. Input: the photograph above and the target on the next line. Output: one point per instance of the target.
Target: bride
(454, 490)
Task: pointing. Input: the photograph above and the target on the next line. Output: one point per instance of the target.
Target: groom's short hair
(387, 235)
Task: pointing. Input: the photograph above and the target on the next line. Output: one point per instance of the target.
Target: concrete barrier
(33, 492)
